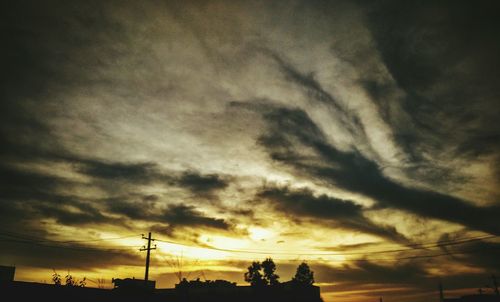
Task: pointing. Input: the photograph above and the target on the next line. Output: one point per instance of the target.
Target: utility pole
(441, 292)
(148, 250)
(495, 285)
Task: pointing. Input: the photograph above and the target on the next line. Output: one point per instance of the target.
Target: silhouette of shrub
(69, 280)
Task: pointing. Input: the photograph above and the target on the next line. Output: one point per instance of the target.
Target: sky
(359, 136)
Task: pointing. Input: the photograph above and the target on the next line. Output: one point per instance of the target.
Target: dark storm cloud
(135, 210)
(15, 216)
(130, 172)
(86, 214)
(444, 56)
(480, 253)
(173, 215)
(34, 195)
(27, 196)
(362, 274)
(23, 136)
(350, 247)
(19, 184)
(185, 215)
(60, 256)
(204, 185)
(291, 130)
(299, 204)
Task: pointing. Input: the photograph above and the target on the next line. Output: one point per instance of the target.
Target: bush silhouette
(69, 280)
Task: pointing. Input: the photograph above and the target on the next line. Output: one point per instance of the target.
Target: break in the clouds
(323, 125)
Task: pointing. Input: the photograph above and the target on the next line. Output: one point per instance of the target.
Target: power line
(423, 246)
(263, 252)
(300, 258)
(77, 248)
(57, 244)
(100, 239)
(423, 256)
(308, 253)
(39, 239)
(397, 258)
(43, 242)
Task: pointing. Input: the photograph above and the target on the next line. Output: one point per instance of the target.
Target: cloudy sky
(360, 136)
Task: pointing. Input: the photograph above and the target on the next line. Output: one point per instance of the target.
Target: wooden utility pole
(495, 285)
(441, 292)
(148, 251)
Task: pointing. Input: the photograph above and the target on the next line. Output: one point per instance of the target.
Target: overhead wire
(13, 234)
(29, 239)
(33, 240)
(77, 248)
(307, 253)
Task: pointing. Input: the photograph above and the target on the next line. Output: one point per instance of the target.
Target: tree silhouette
(269, 271)
(69, 280)
(304, 275)
(56, 278)
(253, 275)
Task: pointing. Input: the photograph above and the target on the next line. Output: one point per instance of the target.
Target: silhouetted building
(481, 297)
(215, 284)
(133, 284)
(7, 273)
(30, 291)
(221, 291)
(474, 298)
(134, 290)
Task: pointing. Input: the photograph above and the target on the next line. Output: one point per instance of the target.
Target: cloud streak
(291, 130)
(333, 212)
